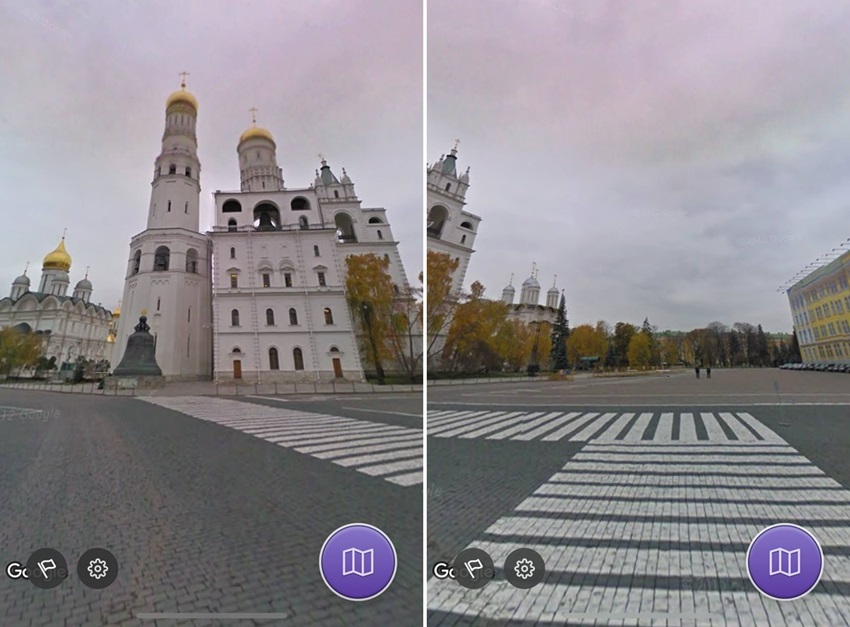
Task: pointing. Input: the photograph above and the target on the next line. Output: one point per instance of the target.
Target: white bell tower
(168, 272)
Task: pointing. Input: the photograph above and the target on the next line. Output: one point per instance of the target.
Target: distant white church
(529, 309)
(71, 326)
(261, 296)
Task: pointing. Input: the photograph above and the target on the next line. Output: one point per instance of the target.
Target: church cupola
(54, 271)
(83, 289)
(552, 295)
(530, 293)
(443, 176)
(509, 292)
(330, 188)
(21, 285)
(258, 160)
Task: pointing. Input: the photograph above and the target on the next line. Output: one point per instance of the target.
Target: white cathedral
(261, 296)
(529, 310)
(71, 326)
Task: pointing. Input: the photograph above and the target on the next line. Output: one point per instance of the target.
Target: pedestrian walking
(697, 371)
(708, 372)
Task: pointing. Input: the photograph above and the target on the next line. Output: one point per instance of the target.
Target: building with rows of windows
(820, 306)
(261, 296)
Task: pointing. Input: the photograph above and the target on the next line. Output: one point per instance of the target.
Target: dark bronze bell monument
(140, 356)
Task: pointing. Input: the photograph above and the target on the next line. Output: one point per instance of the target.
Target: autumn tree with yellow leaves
(390, 317)
(441, 301)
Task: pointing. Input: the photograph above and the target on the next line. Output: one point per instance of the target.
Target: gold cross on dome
(183, 75)
(64, 232)
(253, 111)
(87, 271)
(321, 157)
(457, 143)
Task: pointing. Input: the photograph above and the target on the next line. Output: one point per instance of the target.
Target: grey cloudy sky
(672, 159)
(82, 110)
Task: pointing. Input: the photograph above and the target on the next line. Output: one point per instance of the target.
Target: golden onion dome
(117, 312)
(58, 259)
(256, 131)
(182, 96)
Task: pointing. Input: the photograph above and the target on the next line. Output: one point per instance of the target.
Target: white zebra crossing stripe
(584, 434)
(571, 427)
(665, 428)
(670, 427)
(618, 522)
(636, 432)
(466, 421)
(392, 453)
(614, 430)
(548, 427)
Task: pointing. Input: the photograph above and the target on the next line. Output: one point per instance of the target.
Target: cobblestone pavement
(642, 514)
(202, 518)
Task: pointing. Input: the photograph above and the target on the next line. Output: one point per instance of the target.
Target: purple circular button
(785, 562)
(358, 562)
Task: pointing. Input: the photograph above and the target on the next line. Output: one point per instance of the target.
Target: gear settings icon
(97, 568)
(524, 568)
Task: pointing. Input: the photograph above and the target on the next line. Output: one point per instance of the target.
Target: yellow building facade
(820, 307)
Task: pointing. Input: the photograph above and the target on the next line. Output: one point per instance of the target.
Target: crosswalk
(634, 532)
(392, 453)
(579, 426)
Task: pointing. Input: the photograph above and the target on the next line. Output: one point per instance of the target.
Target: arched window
(344, 228)
(172, 169)
(329, 316)
(274, 364)
(302, 222)
(169, 206)
(231, 225)
(266, 217)
(232, 253)
(270, 317)
(298, 358)
(161, 259)
(316, 251)
(231, 206)
(387, 258)
(437, 217)
(448, 187)
(293, 316)
(188, 171)
(466, 225)
(300, 203)
(192, 261)
(336, 193)
(463, 239)
(395, 289)
(375, 220)
(234, 318)
(380, 235)
(137, 262)
(186, 208)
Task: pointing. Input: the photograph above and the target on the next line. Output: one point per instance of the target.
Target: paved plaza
(642, 495)
(210, 504)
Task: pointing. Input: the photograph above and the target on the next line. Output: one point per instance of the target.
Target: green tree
(623, 332)
(18, 349)
(640, 351)
(795, 355)
(560, 333)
